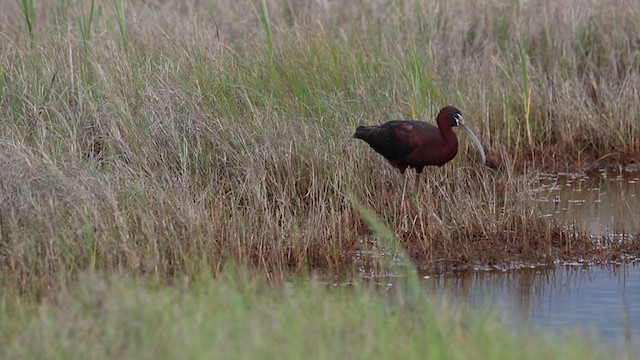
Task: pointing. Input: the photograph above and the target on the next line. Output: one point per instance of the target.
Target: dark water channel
(600, 300)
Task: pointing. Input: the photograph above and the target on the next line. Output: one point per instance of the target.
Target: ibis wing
(417, 133)
(386, 139)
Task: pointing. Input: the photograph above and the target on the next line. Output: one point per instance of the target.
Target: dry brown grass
(193, 137)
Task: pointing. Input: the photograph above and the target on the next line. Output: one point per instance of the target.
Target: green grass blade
(27, 11)
(120, 18)
(85, 24)
(1, 83)
(525, 92)
(389, 241)
(266, 24)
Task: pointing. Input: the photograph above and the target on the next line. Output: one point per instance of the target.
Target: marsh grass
(163, 138)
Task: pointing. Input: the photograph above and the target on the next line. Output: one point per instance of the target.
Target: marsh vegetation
(160, 138)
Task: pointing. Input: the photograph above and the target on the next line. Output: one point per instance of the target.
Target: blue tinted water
(600, 300)
(603, 301)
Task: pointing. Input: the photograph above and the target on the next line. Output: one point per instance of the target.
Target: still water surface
(601, 300)
(607, 204)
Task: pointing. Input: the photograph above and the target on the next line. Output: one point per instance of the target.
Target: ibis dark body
(417, 144)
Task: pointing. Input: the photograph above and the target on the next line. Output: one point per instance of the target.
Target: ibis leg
(404, 191)
(417, 180)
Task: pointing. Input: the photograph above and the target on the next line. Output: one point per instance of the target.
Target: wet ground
(601, 300)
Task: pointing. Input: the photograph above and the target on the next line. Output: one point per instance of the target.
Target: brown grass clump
(161, 138)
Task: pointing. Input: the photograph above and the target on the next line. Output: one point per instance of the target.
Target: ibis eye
(458, 118)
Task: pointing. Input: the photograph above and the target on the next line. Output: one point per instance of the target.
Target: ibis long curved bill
(475, 140)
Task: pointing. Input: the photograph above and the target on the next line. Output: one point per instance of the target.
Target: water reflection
(603, 300)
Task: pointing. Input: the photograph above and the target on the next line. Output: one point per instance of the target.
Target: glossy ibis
(417, 144)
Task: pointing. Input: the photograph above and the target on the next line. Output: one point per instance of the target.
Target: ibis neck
(449, 149)
(449, 136)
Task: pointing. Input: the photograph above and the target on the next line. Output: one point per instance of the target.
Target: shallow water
(603, 301)
(600, 300)
(604, 205)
